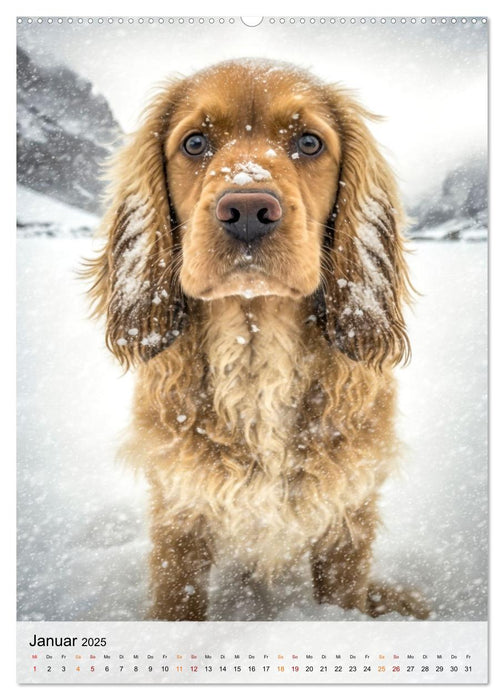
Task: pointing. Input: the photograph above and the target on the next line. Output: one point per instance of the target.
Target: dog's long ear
(135, 277)
(365, 282)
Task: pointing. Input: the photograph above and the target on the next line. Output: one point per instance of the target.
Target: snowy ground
(83, 541)
(40, 215)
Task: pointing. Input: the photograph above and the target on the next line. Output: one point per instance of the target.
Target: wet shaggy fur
(264, 408)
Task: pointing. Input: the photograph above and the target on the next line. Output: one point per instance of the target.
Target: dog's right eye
(195, 144)
(309, 145)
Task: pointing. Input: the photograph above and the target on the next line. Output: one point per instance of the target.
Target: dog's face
(251, 162)
(252, 178)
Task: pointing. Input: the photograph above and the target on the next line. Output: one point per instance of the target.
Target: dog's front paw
(383, 599)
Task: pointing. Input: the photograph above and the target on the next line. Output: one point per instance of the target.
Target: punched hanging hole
(251, 21)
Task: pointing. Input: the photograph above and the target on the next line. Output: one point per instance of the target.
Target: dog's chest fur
(259, 371)
(257, 375)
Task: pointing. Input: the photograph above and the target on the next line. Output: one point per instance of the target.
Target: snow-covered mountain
(459, 211)
(64, 132)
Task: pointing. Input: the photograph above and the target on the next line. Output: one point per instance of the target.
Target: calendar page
(252, 350)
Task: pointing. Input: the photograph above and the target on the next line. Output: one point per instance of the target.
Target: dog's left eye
(195, 144)
(309, 144)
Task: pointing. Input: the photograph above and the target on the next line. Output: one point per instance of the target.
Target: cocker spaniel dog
(254, 274)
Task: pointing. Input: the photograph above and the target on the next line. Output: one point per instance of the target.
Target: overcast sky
(429, 80)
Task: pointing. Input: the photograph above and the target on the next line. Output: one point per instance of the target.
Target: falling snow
(83, 526)
(83, 541)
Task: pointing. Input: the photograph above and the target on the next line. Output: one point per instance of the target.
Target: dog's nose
(248, 215)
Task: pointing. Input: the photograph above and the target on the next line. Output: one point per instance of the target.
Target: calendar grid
(252, 652)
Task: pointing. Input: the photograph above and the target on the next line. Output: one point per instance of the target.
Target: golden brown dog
(254, 272)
